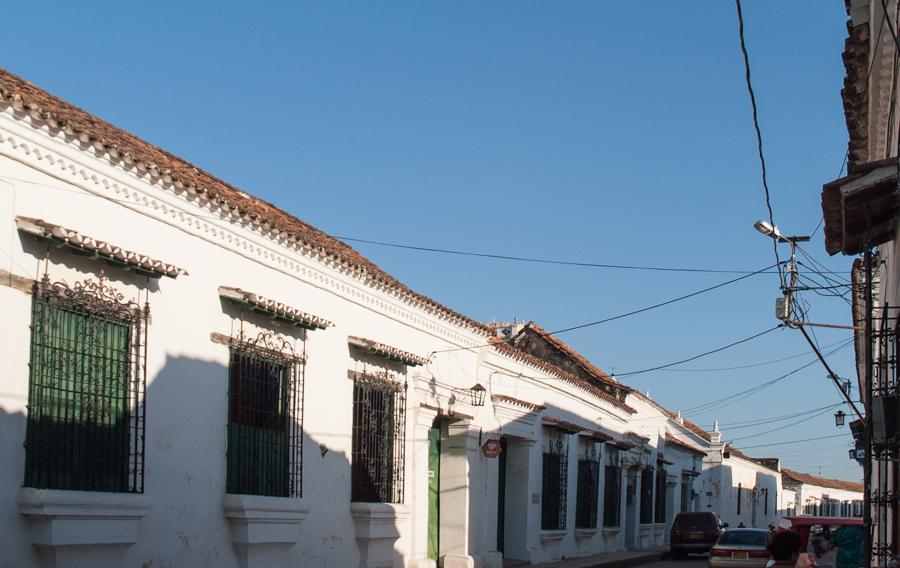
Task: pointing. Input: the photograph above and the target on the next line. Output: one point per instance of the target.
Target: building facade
(197, 378)
(860, 219)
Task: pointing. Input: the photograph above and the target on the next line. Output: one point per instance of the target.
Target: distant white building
(742, 490)
(819, 496)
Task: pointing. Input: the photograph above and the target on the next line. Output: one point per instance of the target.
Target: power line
(751, 365)
(695, 357)
(540, 260)
(784, 427)
(627, 314)
(792, 442)
(731, 399)
(759, 141)
(760, 421)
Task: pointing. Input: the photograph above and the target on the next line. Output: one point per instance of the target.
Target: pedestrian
(785, 548)
(849, 540)
(741, 525)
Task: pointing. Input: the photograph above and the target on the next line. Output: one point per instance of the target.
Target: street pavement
(692, 562)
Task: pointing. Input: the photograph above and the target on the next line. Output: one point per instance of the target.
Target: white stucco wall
(52, 178)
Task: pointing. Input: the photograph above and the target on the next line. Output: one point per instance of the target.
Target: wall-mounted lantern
(477, 393)
(839, 418)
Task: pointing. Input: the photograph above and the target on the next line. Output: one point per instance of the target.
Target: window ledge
(611, 530)
(378, 520)
(585, 533)
(257, 519)
(644, 529)
(550, 535)
(68, 518)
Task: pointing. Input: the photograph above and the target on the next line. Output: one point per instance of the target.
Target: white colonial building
(197, 378)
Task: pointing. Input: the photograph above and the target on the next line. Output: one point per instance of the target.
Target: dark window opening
(646, 496)
(379, 435)
(555, 482)
(85, 427)
(659, 513)
(265, 421)
(588, 489)
(740, 492)
(612, 491)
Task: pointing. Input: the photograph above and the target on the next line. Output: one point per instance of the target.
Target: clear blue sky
(611, 132)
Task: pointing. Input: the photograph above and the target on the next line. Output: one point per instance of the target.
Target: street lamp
(770, 230)
(839, 417)
(477, 393)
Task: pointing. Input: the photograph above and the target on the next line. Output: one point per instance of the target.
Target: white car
(740, 548)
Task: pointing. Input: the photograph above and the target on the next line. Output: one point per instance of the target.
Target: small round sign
(491, 448)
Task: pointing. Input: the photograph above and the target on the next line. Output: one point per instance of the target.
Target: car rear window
(750, 538)
(695, 521)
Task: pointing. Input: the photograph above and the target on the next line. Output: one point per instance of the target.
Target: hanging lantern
(839, 417)
(477, 393)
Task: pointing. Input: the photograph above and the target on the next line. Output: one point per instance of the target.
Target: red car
(814, 531)
(694, 533)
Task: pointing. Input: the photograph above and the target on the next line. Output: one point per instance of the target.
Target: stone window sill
(553, 535)
(69, 518)
(611, 530)
(585, 533)
(378, 520)
(257, 519)
(645, 529)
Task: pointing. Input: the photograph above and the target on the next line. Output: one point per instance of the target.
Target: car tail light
(759, 554)
(720, 552)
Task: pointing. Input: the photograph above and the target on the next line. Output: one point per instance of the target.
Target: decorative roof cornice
(272, 308)
(517, 354)
(154, 165)
(85, 245)
(798, 478)
(517, 402)
(673, 441)
(562, 425)
(386, 351)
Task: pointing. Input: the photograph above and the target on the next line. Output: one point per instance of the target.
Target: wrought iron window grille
(588, 488)
(555, 480)
(659, 513)
(87, 377)
(646, 496)
(883, 447)
(265, 417)
(379, 438)
(612, 496)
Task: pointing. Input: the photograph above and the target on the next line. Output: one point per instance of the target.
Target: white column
(456, 483)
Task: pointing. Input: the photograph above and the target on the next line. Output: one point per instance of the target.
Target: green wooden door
(434, 491)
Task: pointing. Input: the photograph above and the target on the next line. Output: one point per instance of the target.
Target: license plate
(739, 555)
(695, 536)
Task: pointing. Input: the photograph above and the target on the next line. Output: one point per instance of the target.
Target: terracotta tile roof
(561, 424)
(855, 93)
(585, 364)
(518, 355)
(180, 176)
(764, 462)
(674, 416)
(386, 351)
(672, 440)
(798, 477)
(523, 403)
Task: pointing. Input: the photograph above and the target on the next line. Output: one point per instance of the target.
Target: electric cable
(731, 399)
(626, 314)
(759, 140)
(695, 357)
(539, 260)
(786, 426)
(751, 365)
(794, 441)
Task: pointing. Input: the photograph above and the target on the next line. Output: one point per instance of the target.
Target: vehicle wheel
(676, 555)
